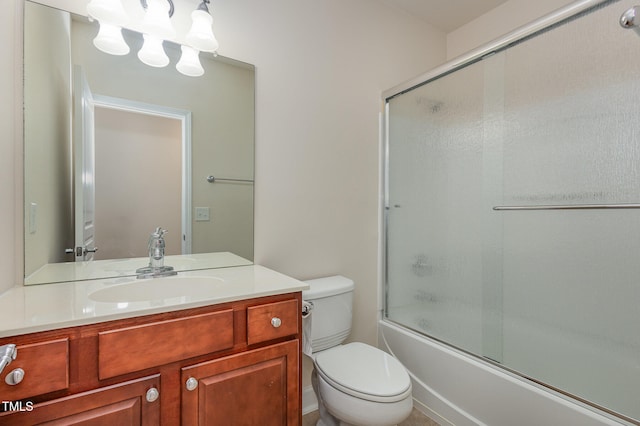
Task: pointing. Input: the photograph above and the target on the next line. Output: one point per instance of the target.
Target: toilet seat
(364, 372)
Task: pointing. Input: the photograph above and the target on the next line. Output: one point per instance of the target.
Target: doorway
(142, 169)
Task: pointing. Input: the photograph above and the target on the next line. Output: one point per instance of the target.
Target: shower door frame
(572, 11)
(547, 22)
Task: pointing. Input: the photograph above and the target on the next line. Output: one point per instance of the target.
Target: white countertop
(27, 309)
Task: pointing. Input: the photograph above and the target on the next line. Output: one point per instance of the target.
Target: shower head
(631, 19)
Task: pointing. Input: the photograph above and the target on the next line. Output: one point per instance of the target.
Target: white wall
(498, 22)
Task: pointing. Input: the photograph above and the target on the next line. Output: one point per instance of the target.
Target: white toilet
(356, 384)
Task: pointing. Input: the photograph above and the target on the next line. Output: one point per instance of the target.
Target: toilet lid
(364, 371)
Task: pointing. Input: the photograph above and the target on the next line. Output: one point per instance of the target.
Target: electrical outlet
(202, 214)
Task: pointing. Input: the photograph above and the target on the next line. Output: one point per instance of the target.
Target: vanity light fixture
(156, 28)
(111, 16)
(110, 40)
(152, 52)
(200, 36)
(189, 63)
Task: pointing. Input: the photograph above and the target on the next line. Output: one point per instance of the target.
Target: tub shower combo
(512, 225)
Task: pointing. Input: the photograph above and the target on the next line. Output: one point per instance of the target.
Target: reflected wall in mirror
(157, 136)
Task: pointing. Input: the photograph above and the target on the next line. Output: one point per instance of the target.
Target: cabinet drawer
(136, 348)
(272, 320)
(46, 369)
(122, 404)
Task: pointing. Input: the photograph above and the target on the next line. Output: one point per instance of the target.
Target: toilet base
(326, 418)
(400, 410)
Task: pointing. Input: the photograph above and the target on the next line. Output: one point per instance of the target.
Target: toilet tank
(332, 299)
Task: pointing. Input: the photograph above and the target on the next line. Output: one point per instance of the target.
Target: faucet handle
(156, 239)
(159, 232)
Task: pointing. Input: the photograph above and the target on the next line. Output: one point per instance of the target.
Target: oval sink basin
(159, 288)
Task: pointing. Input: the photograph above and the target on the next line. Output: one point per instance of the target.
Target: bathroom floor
(415, 419)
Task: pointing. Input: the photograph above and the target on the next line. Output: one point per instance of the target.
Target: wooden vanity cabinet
(236, 363)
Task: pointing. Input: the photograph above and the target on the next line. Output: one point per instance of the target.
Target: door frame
(84, 189)
(184, 116)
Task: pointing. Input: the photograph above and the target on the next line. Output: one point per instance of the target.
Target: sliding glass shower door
(513, 208)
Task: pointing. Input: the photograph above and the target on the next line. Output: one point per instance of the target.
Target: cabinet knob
(276, 322)
(152, 394)
(14, 377)
(191, 384)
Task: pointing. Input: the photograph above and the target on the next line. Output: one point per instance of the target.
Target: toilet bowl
(361, 385)
(355, 383)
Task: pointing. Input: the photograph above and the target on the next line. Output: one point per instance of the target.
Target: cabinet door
(38, 377)
(121, 404)
(258, 387)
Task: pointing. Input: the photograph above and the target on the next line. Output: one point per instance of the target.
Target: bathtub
(454, 388)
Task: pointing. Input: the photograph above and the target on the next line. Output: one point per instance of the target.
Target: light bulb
(107, 11)
(152, 52)
(157, 21)
(189, 63)
(110, 40)
(200, 36)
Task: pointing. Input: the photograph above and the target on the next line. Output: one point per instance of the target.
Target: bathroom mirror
(169, 151)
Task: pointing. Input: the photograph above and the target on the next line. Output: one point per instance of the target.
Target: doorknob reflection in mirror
(80, 251)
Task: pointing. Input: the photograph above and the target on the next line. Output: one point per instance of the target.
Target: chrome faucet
(156, 248)
(156, 266)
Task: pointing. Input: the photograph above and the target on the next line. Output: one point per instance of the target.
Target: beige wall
(498, 22)
(320, 69)
(126, 211)
(10, 145)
